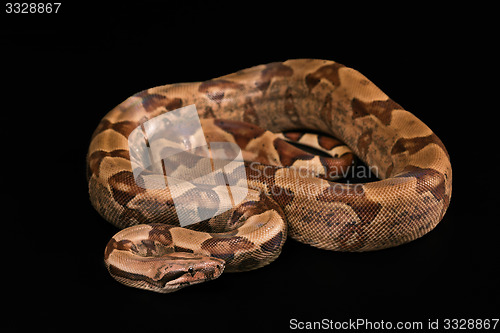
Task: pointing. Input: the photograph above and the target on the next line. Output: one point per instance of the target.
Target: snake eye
(190, 270)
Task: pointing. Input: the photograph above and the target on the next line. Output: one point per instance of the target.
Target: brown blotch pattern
(161, 233)
(123, 245)
(122, 127)
(249, 113)
(131, 217)
(327, 72)
(271, 70)
(337, 167)
(289, 153)
(226, 247)
(328, 142)
(215, 89)
(151, 102)
(293, 136)
(354, 196)
(241, 132)
(273, 244)
(413, 145)
(248, 264)
(251, 208)
(95, 159)
(150, 247)
(364, 142)
(290, 109)
(380, 109)
(283, 196)
(123, 187)
(427, 180)
(333, 167)
(327, 110)
(209, 112)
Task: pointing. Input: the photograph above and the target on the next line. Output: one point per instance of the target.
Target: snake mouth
(165, 273)
(195, 273)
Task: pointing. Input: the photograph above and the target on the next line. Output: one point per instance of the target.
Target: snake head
(186, 269)
(137, 261)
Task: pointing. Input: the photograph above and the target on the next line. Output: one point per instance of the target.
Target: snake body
(153, 252)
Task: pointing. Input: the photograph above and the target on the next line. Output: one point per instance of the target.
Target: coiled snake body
(155, 253)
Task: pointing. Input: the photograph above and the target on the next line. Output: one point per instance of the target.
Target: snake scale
(153, 252)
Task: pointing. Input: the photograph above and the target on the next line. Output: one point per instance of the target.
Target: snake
(287, 190)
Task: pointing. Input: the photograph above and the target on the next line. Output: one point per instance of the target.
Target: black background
(63, 72)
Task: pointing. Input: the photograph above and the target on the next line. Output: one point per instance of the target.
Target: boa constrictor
(155, 253)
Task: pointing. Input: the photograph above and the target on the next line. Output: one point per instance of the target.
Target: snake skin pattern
(155, 253)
